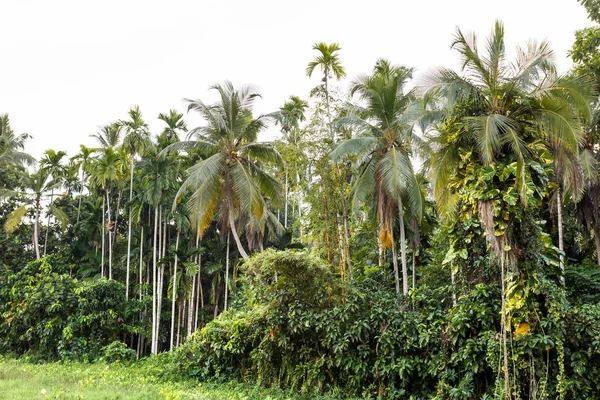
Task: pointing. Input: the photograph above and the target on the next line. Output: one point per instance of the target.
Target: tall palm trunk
(236, 237)
(560, 235)
(403, 248)
(103, 236)
(161, 276)
(153, 346)
(82, 183)
(109, 235)
(226, 271)
(36, 227)
(48, 222)
(129, 231)
(299, 204)
(395, 262)
(141, 258)
(285, 215)
(174, 290)
(503, 327)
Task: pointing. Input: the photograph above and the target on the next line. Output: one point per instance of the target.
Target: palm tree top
(328, 61)
(109, 135)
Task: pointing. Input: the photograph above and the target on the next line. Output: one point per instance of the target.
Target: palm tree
(35, 185)
(11, 145)
(230, 182)
(175, 125)
(82, 160)
(109, 135)
(289, 117)
(136, 141)
(52, 161)
(159, 172)
(498, 113)
(384, 142)
(107, 171)
(329, 62)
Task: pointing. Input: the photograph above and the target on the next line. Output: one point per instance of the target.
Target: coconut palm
(136, 141)
(384, 142)
(230, 183)
(328, 61)
(11, 145)
(503, 114)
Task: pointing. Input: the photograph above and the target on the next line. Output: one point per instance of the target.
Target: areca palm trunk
(226, 271)
(82, 182)
(560, 235)
(103, 237)
(129, 231)
(161, 276)
(191, 303)
(109, 235)
(174, 290)
(36, 227)
(153, 347)
(141, 258)
(403, 248)
(285, 215)
(48, 223)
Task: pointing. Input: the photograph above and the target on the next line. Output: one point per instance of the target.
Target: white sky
(67, 67)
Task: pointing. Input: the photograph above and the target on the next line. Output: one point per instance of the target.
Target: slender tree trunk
(129, 231)
(154, 280)
(226, 271)
(141, 257)
(116, 214)
(36, 227)
(285, 215)
(560, 235)
(161, 277)
(174, 290)
(191, 302)
(395, 261)
(503, 327)
(179, 314)
(48, 222)
(347, 244)
(299, 205)
(597, 241)
(403, 249)
(109, 235)
(331, 133)
(236, 237)
(327, 243)
(80, 195)
(414, 273)
(103, 236)
(216, 302)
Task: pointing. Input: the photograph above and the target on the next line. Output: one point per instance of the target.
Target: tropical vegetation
(402, 238)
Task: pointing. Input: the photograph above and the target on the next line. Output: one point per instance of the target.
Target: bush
(117, 352)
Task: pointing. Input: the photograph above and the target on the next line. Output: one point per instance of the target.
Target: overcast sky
(67, 67)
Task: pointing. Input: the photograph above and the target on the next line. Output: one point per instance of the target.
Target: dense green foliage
(326, 262)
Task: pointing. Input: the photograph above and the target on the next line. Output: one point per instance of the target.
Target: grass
(100, 381)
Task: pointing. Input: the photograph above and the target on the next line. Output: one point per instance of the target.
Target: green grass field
(24, 381)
